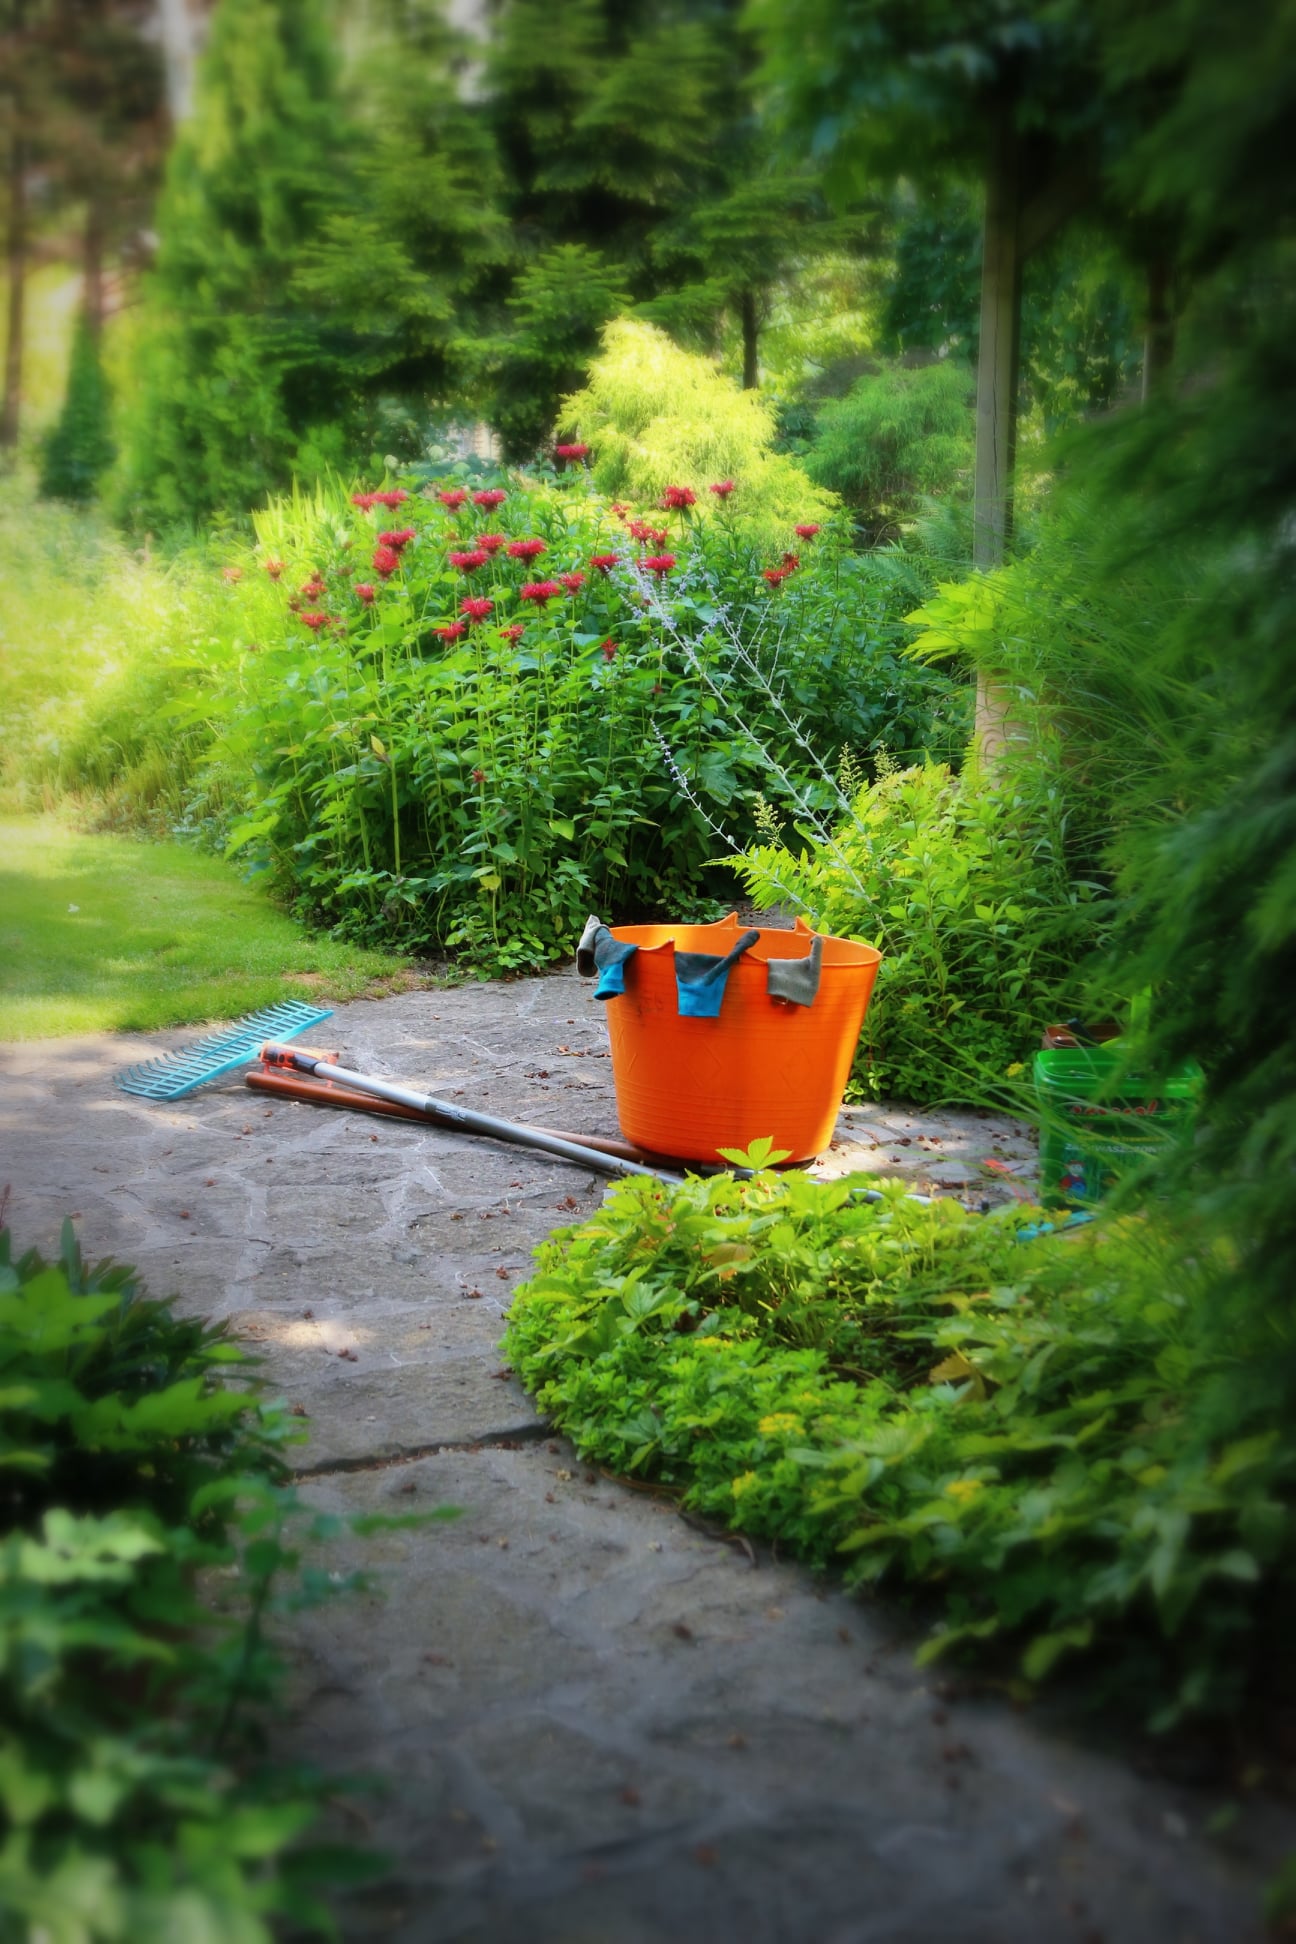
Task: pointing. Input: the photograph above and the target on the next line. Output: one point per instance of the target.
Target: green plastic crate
(1099, 1118)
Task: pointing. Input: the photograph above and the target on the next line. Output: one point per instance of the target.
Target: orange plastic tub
(765, 1066)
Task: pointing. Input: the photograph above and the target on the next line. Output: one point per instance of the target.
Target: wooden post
(751, 340)
(996, 405)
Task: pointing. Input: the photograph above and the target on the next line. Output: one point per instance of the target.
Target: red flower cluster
(658, 563)
(385, 562)
(572, 582)
(312, 589)
(604, 562)
(489, 542)
(490, 496)
(364, 500)
(641, 531)
(315, 620)
(619, 509)
(776, 575)
(274, 568)
(396, 497)
(806, 532)
(397, 541)
(676, 498)
(571, 451)
(526, 549)
(231, 574)
(452, 630)
(515, 633)
(476, 610)
(468, 563)
(540, 591)
(608, 651)
(723, 488)
(453, 499)
(791, 562)
(479, 776)
(366, 592)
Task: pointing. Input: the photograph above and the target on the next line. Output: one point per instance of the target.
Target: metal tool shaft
(464, 1118)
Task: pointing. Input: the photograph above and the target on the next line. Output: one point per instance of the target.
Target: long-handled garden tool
(288, 1060)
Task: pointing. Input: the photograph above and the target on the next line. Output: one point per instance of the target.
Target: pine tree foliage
(559, 307)
(897, 437)
(79, 449)
(657, 416)
(239, 382)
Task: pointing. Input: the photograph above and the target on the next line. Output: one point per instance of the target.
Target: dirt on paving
(587, 1721)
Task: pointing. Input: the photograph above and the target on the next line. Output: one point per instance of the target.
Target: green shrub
(138, 1454)
(424, 775)
(1027, 1427)
(657, 416)
(897, 438)
(961, 883)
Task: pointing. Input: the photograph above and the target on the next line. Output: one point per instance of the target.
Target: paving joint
(510, 1438)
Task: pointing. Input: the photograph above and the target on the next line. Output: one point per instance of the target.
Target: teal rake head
(179, 1073)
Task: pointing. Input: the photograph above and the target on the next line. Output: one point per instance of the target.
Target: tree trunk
(1159, 333)
(92, 253)
(996, 405)
(751, 341)
(16, 263)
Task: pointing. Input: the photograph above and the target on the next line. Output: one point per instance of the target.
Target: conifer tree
(79, 450)
(237, 384)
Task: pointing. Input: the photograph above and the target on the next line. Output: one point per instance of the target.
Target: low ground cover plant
(150, 1537)
(1027, 1428)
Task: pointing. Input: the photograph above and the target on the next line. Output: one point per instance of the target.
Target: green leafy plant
(897, 437)
(138, 1459)
(963, 885)
(1021, 1423)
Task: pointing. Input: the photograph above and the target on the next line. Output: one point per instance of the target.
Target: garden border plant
(153, 1538)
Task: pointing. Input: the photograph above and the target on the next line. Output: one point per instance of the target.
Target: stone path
(591, 1722)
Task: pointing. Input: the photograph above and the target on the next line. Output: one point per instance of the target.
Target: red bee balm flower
(723, 488)
(452, 630)
(776, 575)
(364, 500)
(526, 549)
(791, 562)
(476, 610)
(396, 541)
(274, 568)
(619, 509)
(315, 621)
(571, 451)
(540, 591)
(492, 496)
(453, 500)
(805, 532)
(639, 530)
(311, 588)
(604, 562)
(479, 776)
(515, 633)
(396, 497)
(385, 561)
(365, 591)
(468, 563)
(231, 573)
(658, 563)
(489, 542)
(676, 498)
(572, 582)
(608, 651)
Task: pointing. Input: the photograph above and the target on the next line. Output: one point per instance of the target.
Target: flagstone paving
(588, 1721)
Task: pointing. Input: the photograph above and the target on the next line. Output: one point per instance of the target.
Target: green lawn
(106, 934)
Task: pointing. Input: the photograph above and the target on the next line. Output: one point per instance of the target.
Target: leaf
(1047, 1648)
(957, 1370)
(562, 827)
(379, 748)
(762, 1153)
